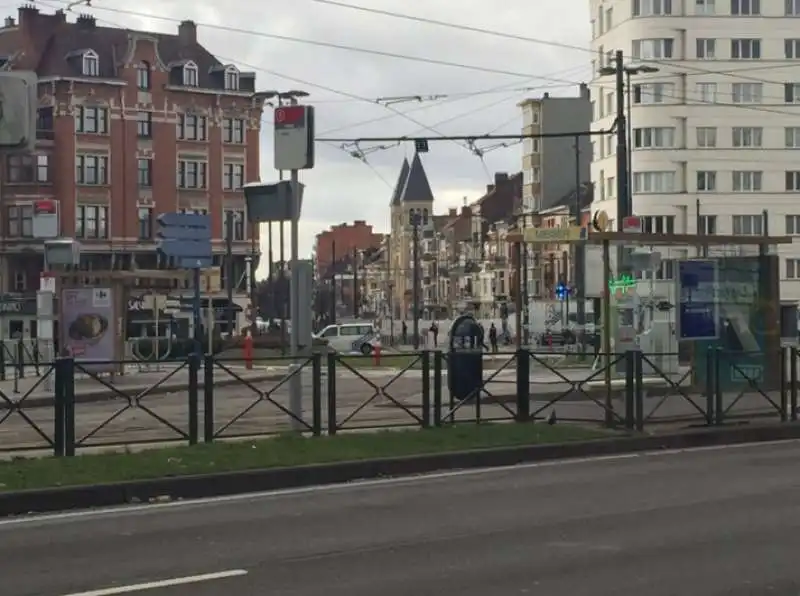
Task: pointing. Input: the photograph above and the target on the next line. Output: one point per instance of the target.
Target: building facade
(715, 133)
(131, 125)
(340, 242)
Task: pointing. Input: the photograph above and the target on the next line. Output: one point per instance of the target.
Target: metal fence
(72, 405)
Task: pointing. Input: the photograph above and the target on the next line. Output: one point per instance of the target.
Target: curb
(253, 481)
(106, 394)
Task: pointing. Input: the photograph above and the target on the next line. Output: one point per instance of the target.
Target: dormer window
(231, 79)
(190, 74)
(90, 64)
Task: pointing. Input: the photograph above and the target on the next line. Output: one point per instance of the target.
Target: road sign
(185, 238)
(555, 235)
(45, 219)
(294, 137)
(698, 310)
(632, 224)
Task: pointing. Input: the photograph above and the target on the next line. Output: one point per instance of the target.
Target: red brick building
(132, 124)
(339, 242)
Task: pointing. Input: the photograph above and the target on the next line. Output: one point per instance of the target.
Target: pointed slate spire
(417, 188)
(401, 182)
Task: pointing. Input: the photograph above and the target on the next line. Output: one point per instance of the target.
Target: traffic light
(562, 291)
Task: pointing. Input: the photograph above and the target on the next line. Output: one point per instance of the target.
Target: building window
(28, 169)
(653, 182)
(233, 130)
(143, 81)
(706, 137)
(19, 221)
(706, 48)
(744, 181)
(653, 138)
(231, 79)
(184, 211)
(44, 123)
(745, 49)
(791, 8)
(658, 224)
(746, 8)
(91, 120)
(706, 181)
(747, 136)
(531, 175)
(747, 225)
(793, 181)
(192, 127)
(791, 48)
(747, 92)
(91, 221)
(144, 172)
(707, 92)
(91, 169)
(192, 174)
(532, 146)
(90, 64)
(20, 282)
(791, 92)
(793, 225)
(792, 137)
(238, 224)
(144, 125)
(792, 268)
(708, 225)
(190, 72)
(232, 176)
(648, 49)
(705, 7)
(652, 8)
(145, 223)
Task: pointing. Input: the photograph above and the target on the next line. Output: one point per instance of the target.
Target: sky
(344, 85)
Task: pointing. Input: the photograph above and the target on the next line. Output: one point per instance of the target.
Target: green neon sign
(623, 282)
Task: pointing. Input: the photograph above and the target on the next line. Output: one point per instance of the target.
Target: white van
(350, 337)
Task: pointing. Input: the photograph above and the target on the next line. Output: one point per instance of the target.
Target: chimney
(546, 95)
(86, 21)
(28, 16)
(10, 22)
(585, 93)
(187, 33)
(489, 188)
(452, 212)
(500, 177)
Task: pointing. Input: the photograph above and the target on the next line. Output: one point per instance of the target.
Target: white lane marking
(376, 483)
(166, 583)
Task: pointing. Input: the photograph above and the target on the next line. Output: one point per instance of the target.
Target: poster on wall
(87, 327)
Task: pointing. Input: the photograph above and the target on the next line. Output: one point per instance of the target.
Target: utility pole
(282, 281)
(523, 321)
(415, 222)
(273, 296)
(228, 270)
(624, 207)
(333, 282)
(355, 282)
(579, 253)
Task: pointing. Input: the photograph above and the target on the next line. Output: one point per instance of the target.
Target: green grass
(282, 451)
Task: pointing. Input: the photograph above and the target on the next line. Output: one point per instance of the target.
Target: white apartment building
(719, 122)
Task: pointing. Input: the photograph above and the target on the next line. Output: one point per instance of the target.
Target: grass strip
(280, 451)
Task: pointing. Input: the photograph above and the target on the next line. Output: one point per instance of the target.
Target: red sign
(290, 115)
(632, 223)
(44, 207)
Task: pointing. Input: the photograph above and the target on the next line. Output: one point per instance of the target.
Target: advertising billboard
(88, 330)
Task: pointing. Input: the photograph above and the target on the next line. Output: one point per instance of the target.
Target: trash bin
(465, 359)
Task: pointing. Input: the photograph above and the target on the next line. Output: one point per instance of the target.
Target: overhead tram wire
(523, 38)
(473, 138)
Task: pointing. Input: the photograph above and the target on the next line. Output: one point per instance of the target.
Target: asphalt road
(706, 523)
(112, 422)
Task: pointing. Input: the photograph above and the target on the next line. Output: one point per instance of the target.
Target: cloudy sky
(345, 84)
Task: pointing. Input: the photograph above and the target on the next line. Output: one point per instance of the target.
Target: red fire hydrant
(376, 351)
(248, 350)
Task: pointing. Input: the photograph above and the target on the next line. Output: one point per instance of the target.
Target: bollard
(248, 350)
(376, 351)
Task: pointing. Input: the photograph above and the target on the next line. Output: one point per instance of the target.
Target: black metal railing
(75, 404)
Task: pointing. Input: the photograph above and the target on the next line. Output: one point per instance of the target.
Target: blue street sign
(698, 310)
(186, 239)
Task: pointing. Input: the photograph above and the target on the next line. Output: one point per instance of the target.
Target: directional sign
(186, 239)
(698, 309)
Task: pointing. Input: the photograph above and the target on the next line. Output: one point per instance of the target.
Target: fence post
(437, 388)
(208, 398)
(20, 359)
(638, 384)
(710, 390)
(194, 371)
(630, 380)
(59, 422)
(793, 385)
(426, 388)
(785, 354)
(332, 420)
(523, 385)
(316, 393)
(68, 401)
(3, 360)
(719, 408)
